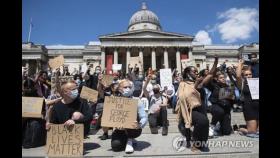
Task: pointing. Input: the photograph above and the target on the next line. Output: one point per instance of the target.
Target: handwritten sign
(226, 93)
(254, 87)
(89, 94)
(117, 66)
(59, 81)
(119, 112)
(56, 62)
(107, 80)
(63, 141)
(135, 61)
(32, 107)
(165, 77)
(186, 63)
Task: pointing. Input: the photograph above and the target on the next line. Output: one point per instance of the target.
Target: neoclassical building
(145, 38)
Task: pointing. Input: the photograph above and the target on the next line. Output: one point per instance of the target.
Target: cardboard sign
(65, 142)
(226, 93)
(61, 79)
(253, 84)
(119, 112)
(107, 80)
(56, 62)
(135, 61)
(186, 63)
(84, 68)
(117, 66)
(32, 107)
(165, 77)
(89, 94)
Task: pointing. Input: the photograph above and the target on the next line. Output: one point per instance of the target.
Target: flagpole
(30, 28)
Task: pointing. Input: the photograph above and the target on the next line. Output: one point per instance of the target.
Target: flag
(31, 23)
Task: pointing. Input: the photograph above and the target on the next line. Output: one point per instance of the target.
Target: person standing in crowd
(176, 83)
(250, 106)
(253, 65)
(28, 88)
(41, 85)
(92, 79)
(71, 109)
(65, 71)
(190, 111)
(157, 114)
(122, 138)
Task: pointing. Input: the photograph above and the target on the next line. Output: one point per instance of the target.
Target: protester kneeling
(122, 138)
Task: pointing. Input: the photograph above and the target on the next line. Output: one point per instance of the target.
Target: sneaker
(195, 150)
(154, 130)
(211, 131)
(129, 148)
(104, 136)
(164, 131)
(252, 135)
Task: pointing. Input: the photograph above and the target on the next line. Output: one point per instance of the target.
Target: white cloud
(202, 37)
(239, 24)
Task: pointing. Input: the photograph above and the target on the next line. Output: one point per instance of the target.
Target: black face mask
(156, 91)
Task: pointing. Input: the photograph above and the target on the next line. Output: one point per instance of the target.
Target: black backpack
(34, 133)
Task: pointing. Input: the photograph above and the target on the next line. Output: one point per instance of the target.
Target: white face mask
(127, 92)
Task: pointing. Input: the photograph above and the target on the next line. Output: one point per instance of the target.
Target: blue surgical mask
(78, 81)
(74, 94)
(127, 92)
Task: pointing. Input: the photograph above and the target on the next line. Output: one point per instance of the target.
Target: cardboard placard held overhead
(119, 112)
(253, 84)
(32, 107)
(117, 66)
(135, 61)
(59, 81)
(186, 63)
(107, 80)
(65, 142)
(89, 94)
(165, 77)
(56, 62)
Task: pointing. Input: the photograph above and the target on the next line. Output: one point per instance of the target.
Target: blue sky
(73, 22)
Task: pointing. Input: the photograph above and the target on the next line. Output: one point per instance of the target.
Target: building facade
(144, 38)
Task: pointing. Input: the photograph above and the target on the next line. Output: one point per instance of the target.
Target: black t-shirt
(62, 112)
(215, 87)
(92, 81)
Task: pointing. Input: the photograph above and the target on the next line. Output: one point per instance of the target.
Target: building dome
(144, 19)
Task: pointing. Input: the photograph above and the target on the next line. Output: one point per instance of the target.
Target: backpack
(34, 133)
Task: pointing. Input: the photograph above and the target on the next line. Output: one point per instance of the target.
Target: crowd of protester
(192, 95)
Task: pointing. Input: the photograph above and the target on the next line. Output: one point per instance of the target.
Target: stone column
(190, 55)
(38, 65)
(102, 58)
(115, 56)
(127, 58)
(154, 59)
(141, 54)
(141, 58)
(178, 60)
(166, 58)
